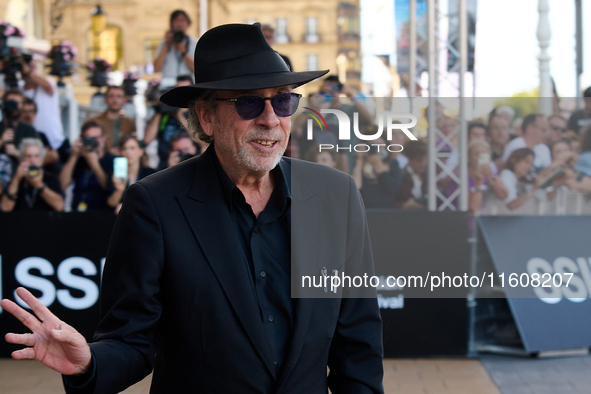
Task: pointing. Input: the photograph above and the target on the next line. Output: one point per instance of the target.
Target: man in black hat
(204, 276)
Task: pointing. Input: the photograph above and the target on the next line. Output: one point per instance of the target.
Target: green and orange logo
(317, 117)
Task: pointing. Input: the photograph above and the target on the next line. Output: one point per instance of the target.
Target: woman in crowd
(131, 149)
(515, 178)
(498, 137)
(481, 177)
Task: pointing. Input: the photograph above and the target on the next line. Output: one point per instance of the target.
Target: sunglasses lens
(249, 107)
(285, 104)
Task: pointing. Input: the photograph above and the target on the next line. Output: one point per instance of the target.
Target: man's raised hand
(52, 342)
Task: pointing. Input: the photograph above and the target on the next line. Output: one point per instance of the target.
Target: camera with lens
(89, 143)
(184, 156)
(34, 171)
(12, 57)
(178, 36)
(10, 112)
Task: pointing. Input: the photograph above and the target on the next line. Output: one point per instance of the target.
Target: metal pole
(431, 38)
(544, 35)
(579, 39)
(463, 143)
(412, 67)
(203, 16)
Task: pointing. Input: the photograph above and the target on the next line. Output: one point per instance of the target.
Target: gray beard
(253, 165)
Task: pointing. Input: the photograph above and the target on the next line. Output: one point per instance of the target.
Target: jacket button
(263, 274)
(270, 318)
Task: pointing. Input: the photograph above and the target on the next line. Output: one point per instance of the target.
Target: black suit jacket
(177, 298)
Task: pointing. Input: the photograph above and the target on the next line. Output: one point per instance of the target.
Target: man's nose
(268, 118)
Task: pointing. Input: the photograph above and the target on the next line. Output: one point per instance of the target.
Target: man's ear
(206, 118)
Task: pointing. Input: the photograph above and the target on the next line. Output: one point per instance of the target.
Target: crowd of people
(511, 160)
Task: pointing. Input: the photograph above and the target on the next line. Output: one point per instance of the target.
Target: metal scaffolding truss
(440, 42)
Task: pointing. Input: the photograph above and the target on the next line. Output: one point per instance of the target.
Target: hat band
(251, 64)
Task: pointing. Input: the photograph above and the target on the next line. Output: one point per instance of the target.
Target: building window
(312, 62)
(311, 30)
(348, 26)
(107, 45)
(281, 36)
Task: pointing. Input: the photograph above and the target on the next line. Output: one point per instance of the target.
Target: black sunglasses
(252, 106)
(562, 130)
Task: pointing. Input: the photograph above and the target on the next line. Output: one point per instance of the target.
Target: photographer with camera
(176, 51)
(166, 122)
(90, 168)
(44, 92)
(182, 147)
(31, 188)
(12, 130)
(333, 91)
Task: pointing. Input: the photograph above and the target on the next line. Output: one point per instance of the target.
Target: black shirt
(28, 198)
(88, 192)
(265, 242)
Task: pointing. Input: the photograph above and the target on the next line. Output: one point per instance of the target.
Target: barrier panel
(542, 268)
(58, 256)
(415, 243)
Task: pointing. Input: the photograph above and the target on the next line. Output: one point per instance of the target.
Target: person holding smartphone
(516, 178)
(481, 178)
(127, 169)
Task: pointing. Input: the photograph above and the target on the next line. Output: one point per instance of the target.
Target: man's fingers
(26, 353)
(66, 336)
(38, 308)
(25, 317)
(21, 339)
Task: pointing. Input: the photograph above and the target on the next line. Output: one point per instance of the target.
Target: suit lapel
(207, 214)
(305, 210)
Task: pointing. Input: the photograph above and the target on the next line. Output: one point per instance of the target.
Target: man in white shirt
(535, 128)
(175, 52)
(44, 92)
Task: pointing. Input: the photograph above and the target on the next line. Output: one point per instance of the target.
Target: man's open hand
(52, 342)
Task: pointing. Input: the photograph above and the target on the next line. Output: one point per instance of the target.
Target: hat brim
(181, 96)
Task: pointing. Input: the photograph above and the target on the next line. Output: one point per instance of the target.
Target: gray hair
(208, 99)
(27, 142)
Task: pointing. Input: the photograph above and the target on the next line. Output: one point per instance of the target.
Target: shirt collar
(282, 190)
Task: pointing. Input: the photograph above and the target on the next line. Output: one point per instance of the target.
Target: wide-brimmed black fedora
(236, 57)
